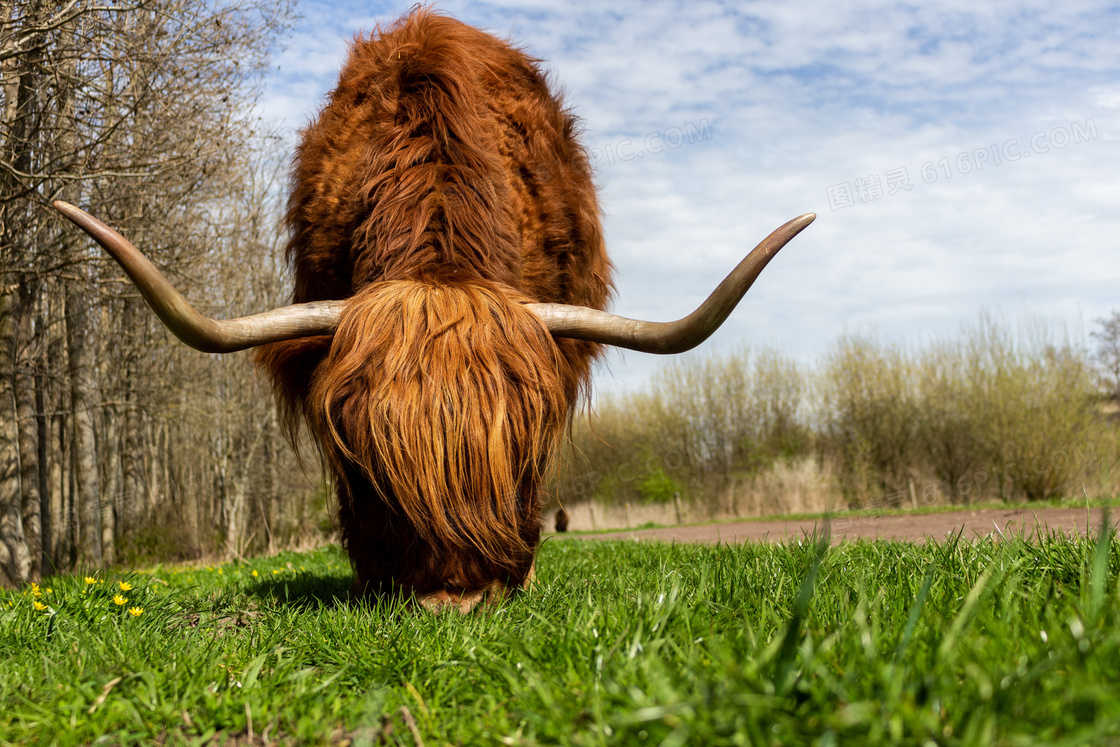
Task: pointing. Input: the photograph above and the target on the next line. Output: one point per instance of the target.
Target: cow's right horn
(582, 323)
(196, 330)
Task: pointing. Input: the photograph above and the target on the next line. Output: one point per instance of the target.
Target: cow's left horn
(196, 330)
(684, 334)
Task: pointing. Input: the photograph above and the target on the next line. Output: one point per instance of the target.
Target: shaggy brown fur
(440, 188)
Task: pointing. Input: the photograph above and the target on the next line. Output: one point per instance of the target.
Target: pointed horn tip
(793, 227)
(71, 212)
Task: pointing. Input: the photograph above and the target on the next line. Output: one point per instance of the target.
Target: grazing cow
(450, 277)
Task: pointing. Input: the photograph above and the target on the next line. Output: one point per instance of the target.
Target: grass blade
(915, 612)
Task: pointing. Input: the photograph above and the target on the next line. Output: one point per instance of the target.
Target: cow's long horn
(196, 330)
(684, 334)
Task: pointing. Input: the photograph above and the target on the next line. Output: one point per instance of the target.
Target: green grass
(619, 643)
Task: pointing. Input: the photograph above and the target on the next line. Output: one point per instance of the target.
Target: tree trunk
(135, 492)
(57, 447)
(84, 400)
(157, 488)
(27, 424)
(15, 559)
(112, 482)
(273, 506)
(135, 497)
(43, 428)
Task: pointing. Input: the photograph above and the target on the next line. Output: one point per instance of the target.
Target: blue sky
(961, 156)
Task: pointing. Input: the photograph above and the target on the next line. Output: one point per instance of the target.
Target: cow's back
(442, 153)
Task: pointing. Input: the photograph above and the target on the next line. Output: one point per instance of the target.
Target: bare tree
(19, 107)
(141, 111)
(1107, 355)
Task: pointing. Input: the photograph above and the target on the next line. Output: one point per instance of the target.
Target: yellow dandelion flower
(90, 580)
(136, 611)
(125, 586)
(275, 572)
(254, 573)
(39, 605)
(36, 591)
(48, 590)
(220, 572)
(118, 600)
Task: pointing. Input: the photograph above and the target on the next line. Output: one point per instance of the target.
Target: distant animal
(561, 520)
(450, 276)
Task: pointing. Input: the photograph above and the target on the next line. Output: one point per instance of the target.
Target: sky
(961, 157)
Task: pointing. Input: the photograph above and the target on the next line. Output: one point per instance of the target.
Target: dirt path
(912, 528)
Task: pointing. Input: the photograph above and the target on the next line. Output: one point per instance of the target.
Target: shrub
(868, 416)
(994, 413)
(658, 488)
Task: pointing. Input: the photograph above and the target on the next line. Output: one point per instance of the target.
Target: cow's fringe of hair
(450, 399)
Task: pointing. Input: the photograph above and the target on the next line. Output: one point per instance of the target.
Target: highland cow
(450, 276)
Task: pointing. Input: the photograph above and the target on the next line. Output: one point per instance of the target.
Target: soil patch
(919, 528)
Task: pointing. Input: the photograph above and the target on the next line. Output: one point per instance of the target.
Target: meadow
(991, 641)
